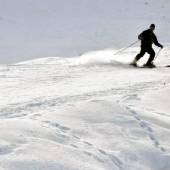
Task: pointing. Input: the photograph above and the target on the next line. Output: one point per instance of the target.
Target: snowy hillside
(41, 28)
(82, 110)
(91, 112)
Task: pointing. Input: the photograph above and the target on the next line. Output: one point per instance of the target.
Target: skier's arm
(155, 41)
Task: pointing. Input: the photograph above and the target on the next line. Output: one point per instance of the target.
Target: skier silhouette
(147, 38)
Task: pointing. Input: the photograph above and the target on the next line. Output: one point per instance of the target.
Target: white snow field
(90, 112)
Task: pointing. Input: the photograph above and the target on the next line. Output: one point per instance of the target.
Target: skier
(147, 38)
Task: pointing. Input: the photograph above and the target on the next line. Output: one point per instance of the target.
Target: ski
(137, 66)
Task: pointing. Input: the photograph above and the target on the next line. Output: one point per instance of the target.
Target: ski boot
(149, 65)
(134, 63)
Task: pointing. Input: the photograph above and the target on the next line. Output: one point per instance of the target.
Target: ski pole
(121, 50)
(158, 53)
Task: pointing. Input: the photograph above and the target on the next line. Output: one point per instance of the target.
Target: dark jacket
(147, 38)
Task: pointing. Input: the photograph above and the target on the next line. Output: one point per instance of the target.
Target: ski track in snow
(11, 110)
(145, 126)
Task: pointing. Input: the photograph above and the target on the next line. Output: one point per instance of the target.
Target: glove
(161, 46)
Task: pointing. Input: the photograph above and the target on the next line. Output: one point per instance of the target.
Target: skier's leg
(138, 56)
(152, 56)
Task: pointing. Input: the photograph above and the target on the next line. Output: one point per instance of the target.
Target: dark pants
(150, 51)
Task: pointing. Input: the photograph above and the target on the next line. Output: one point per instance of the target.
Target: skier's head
(152, 27)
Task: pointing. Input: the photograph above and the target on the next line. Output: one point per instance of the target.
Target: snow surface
(90, 112)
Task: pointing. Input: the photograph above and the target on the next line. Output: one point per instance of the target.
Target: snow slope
(90, 112)
(41, 28)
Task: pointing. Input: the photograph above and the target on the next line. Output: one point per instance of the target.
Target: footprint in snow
(64, 129)
(94, 156)
(87, 143)
(74, 146)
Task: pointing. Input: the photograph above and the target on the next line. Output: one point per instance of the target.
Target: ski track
(20, 109)
(78, 143)
(146, 127)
